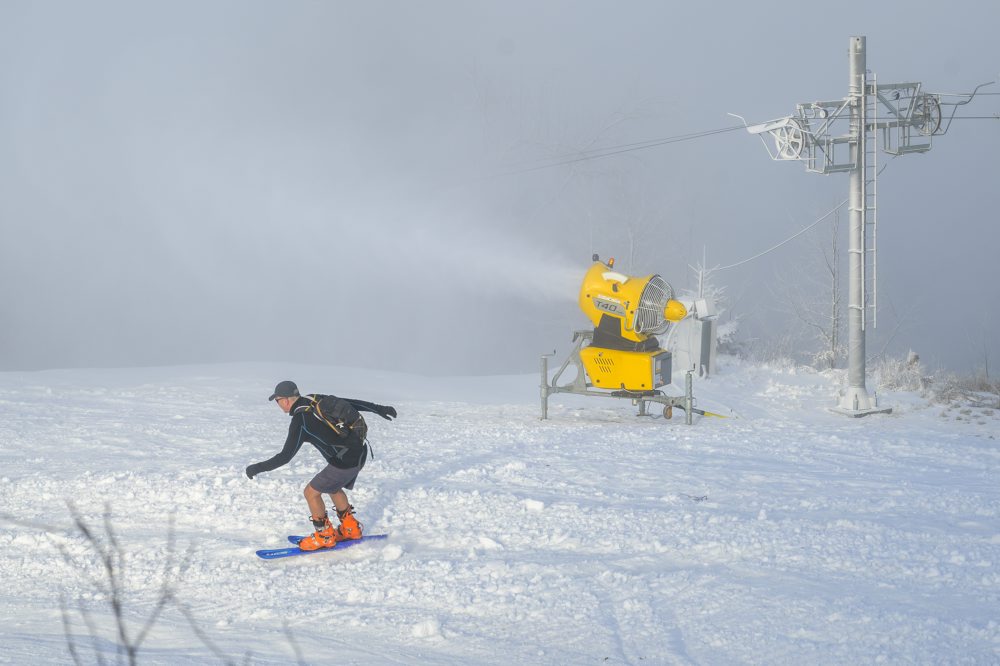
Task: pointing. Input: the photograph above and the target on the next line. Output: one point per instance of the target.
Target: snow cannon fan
(628, 313)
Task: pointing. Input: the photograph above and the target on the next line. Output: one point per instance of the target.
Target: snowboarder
(335, 428)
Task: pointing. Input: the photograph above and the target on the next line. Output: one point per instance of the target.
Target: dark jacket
(343, 452)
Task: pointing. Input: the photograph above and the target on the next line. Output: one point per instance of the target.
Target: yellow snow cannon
(621, 356)
(627, 313)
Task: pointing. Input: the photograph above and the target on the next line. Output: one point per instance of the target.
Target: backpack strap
(359, 427)
(315, 408)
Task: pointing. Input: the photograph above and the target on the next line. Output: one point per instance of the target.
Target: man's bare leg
(340, 501)
(314, 499)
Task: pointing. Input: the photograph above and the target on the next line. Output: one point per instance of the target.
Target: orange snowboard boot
(350, 528)
(324, 536)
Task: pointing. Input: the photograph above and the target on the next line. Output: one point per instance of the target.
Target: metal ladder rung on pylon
(869, 262)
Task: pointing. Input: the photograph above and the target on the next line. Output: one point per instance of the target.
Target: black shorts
(332, 479)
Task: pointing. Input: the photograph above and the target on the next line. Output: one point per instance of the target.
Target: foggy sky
(350, 182)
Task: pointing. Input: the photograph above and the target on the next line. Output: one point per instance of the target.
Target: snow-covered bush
(895, 374)
(946, 388)
(976, 390)
(726, 336)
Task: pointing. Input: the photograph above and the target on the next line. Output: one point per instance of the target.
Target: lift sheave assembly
(621, 357)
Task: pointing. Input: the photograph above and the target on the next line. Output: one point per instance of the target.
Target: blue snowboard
(276, 553)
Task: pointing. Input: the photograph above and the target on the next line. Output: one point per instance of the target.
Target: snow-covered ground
(783, 535)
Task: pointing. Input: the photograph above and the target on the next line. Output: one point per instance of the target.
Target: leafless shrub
(907, 374)
(975, 391)
(943, 388)
(108, 581)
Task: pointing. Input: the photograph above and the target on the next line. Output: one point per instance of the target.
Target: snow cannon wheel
(668, 412)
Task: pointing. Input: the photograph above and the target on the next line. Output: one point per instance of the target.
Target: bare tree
(814, 297)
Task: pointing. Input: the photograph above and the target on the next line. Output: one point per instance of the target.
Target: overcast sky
(352, 182)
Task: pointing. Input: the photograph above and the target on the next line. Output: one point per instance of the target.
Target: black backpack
(339, 414)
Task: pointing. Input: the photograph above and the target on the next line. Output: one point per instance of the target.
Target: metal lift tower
(905, 118)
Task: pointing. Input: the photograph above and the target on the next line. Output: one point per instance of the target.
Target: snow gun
(621, 357)
(628, 313)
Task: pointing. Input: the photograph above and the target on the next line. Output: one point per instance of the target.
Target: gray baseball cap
(285, 389)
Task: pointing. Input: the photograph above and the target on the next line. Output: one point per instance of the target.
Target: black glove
(387, 412)
(252, 471)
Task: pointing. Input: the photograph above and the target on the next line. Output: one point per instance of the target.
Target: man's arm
(385, 411)
(292, 445)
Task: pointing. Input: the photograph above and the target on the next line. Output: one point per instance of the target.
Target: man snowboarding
(338, 432)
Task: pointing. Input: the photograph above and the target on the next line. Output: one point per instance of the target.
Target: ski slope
(783, 535)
